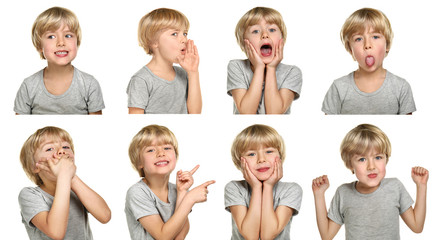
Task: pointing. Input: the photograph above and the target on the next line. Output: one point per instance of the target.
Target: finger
(195, 50)
(194, 169)
(208, 183)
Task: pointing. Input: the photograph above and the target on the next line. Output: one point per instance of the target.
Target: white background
(110, 52)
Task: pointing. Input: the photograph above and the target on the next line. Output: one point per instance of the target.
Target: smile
(162, 163)
(372, 175)
(61, 53)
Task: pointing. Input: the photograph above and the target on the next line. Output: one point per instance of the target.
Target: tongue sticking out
(266, 50)
(369, 61)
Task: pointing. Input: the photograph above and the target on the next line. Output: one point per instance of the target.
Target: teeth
(60, 53)
(161, 163)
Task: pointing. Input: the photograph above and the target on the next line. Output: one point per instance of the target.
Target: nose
(160, 152)
(367, 44)
(261, 158)
(370, 164)
(264, 35)
(60, 41)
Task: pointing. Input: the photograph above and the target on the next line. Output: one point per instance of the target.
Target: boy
(261, 84)
(369, 207)
(161, 87)
(60, 88)
(58, 207)
(367, 36)
(262, 207)
(156, 208)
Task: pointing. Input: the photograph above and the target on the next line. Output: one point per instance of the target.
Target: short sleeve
(293, 81)
(334, 213)
(22, 103)
(95, 101)
(137, 93)
(332, 101)
(235, 77)
(234, 194)
(292, 197)
(405, 200)
(406, 100)
(140, 202)
(31, 203)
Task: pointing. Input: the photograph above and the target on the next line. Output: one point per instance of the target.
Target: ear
(36, 168)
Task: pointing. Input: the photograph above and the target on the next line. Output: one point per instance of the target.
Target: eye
(361, 160)
(358, 39)
(185, 34)
(376, 37)
(269, 151)
(252, 154)
(168, 148)
(379, 157)
(273, 30)
(175, 34)
(66, 147)
(255, 31)
(49, 149)
(69, 36)
(51, 37)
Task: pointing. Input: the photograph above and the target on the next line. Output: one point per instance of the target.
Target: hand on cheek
(278, 54)
(253, 55)
(277, 173)
(248, 175)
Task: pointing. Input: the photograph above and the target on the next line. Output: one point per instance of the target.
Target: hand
(190, 60)
(320, 184)
(253, 55)
(277, 173)
(184, 180)
(63, 166)
(277, 58)
(199, 194)
(248, 175)
(420, 175)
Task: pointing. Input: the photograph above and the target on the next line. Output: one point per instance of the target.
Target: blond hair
(254, 16)
(157, 21)
(252, 138)
(362, 139)
(358, 22)
(33, 143)
(145, 137)
(52, 19)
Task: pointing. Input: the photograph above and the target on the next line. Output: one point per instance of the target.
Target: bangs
(364, 144)
(166, 18)
(52, 133)
(54, 18)
(258, 136)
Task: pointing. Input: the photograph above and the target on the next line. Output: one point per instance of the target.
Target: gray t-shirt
(393, 97)
(373, 216)
(34, 200)
(240, 74)
(156, 95)
(82, 97)
(284, 194)
(141, 202)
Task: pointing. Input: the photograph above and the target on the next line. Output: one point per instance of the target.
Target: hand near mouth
(184, 180)
(190, 60)
(277, 58)
(276, 175)
(64, 166)
(253, 55)
(248, 175)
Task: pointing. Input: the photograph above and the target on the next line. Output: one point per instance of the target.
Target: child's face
(158, 159)
(263, 37)
(60, 46)
(369, 49)
(171, 44)
(51, 148)
(261, 161)
(369, 169)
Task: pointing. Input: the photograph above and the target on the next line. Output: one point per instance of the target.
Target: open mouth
(162, 163)
(61, 53)
(266, 50)
(369, 60)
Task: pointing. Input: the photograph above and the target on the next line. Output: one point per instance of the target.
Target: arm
(170, 229)
(93, 202)
(327, 228)
(273, 222)
(133, 110)
(96, 113)
(190, 62)
(415, 218)
(276, 101)
(184, 180)
(248, 220)
(54, 222)
(247, 100)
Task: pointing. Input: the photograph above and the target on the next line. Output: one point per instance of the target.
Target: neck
(160, 64)
(57, 70)
(49, 187)
(378, 74)
(159, 183)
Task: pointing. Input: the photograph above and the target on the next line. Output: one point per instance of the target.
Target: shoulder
(288, 68)
(396, 80)
(238, 64)
(392, 182)
(236, 186)
(139, 190)
(34, 79)
(85, 77)
(344, 80)
(290, 186)
(180, 72)
(345, 188)
(29, 192)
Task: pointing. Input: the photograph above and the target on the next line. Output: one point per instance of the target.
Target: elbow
(57, 235)
(106, 217)
(418, 230)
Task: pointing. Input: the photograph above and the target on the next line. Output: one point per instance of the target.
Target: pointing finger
(194, 169)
